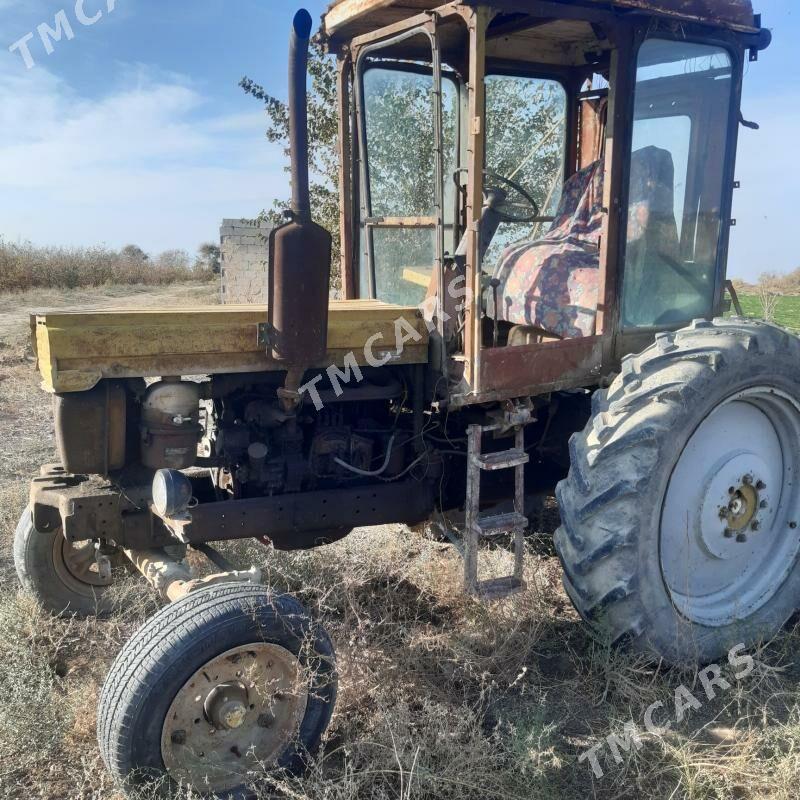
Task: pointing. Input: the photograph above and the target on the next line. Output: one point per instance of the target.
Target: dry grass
(25, 266)
(440, 697)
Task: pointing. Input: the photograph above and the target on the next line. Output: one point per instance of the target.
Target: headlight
(172, 491)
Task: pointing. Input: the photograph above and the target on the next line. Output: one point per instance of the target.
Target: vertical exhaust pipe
(300, 250)
(298, 113)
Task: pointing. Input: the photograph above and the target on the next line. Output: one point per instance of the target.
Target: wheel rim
(236, 715)
(729, 523)
(76, 566)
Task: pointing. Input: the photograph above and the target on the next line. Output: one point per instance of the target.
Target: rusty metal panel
(348, 18)
(728, 13)
(297, 521)
(533, 369)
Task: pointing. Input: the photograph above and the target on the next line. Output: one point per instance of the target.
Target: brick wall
(244, 250)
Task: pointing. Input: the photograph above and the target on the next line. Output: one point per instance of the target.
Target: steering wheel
(496, 197)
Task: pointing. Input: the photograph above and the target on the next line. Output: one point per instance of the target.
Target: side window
(526, 136)
(398, 105)
(677, 174)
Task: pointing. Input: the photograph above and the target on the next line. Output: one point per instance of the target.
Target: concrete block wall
(244, 257)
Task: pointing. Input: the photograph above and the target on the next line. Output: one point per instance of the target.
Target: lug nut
(761, 486)
(728, 533)
(747, 480)
(763, 504)
(723, 513)
(178, 737)
(755, 526)
(792, 525)
(742, 537)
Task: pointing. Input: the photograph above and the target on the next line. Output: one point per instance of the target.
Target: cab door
(679, 188)
(408, 125)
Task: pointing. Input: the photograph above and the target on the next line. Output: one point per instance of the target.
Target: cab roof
(346, 19)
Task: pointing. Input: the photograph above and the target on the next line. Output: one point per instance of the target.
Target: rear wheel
(216, 689)
(63, 576)
(681, 509)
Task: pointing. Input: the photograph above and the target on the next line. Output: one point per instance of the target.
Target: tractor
(535, 210)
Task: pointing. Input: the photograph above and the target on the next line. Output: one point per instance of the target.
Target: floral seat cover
(552, 283)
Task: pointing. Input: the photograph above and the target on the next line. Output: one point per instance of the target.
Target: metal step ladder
(480, 527)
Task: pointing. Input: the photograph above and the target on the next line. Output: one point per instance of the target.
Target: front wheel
(216, 689)
(680, 513)
(63, 576)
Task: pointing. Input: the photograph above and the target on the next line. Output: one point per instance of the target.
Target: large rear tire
(680, 512)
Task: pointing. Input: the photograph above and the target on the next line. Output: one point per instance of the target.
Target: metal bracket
(263, 334)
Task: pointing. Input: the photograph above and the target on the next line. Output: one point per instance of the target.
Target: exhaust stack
(298, 113)
(300, 250)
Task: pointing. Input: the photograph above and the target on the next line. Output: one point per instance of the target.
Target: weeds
(25, 266)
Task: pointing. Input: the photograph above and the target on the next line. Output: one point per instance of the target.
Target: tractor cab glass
(678, 166)
(526, 127)
(400, 206)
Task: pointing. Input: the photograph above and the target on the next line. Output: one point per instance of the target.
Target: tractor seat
(551, 284)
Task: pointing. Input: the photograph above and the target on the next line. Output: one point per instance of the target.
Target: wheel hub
(76, 565)
(743, 507)
(226, 705)
(236, 714)
(736, 503)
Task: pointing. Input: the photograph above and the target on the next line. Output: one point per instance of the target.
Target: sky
(135, 130)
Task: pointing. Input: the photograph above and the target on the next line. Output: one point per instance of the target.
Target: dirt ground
(440, 697)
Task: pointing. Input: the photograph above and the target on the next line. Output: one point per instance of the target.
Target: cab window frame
(628, 337)
(362, 206)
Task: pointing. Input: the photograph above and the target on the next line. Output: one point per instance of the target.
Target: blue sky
(135, 130)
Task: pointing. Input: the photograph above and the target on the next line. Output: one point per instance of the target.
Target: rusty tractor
(535, 213)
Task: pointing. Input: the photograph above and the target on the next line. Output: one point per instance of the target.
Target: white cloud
(149, 162)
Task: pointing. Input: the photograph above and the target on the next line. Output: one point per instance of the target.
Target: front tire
(215, 689)
(61, 575)
(681, 509)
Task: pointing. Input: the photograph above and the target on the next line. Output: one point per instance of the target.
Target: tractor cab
(550, 182)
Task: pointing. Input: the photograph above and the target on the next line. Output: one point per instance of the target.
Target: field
(440, 697)
(787, 311)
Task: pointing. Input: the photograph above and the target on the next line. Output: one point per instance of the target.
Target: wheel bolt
(178, 737)
(792, 525)
(761, 486)
(747, 480)
(742, 537)
(728, 533)
(723, 513)
(756, 525)
(763, 504)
